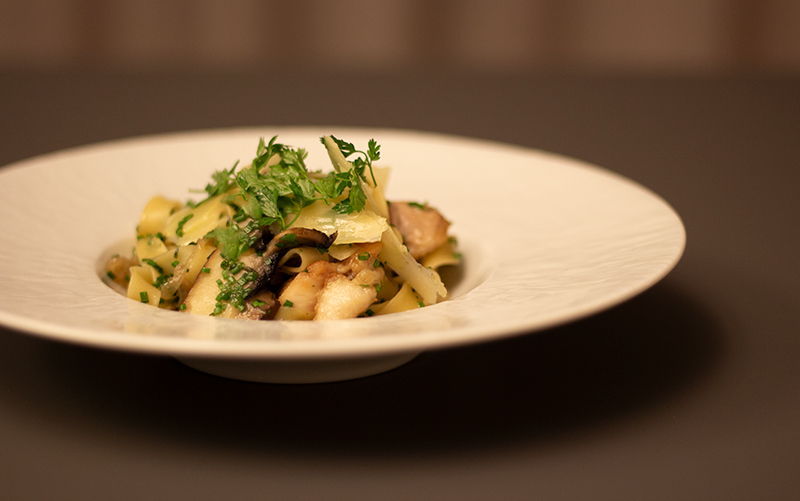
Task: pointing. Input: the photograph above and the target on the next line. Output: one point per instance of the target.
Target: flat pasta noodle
(299, 259)
(405, 299)
(155, 214)
(445, 255)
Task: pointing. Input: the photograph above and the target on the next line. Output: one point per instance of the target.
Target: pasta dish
(273, 240)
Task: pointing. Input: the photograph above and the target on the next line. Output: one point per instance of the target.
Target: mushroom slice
(298, 237)
(423, 228)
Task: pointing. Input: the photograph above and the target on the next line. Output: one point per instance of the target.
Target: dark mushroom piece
(245, 287)
(262, 304)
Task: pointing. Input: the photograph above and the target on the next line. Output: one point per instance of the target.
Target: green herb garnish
(161, 280)
(179, 230)
(237, 282)
(155, 266)
(277, 186)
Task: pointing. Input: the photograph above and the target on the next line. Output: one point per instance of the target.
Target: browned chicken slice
(327, 291)
(298, 299)
(422, 227)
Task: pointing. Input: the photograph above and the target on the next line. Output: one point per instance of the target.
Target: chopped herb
(258, 303)
(205, 270)
(236, 284)
(161, 280)
(175, 263)
(420, 303)
(287, 240)
(144, 297)
(179, 230)
(288, 303)
(182, 307)
(111, 275)
(376, 264)
(420, 206)
(363, 256)
(155, 265)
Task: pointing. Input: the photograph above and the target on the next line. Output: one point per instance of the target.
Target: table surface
(689, 391)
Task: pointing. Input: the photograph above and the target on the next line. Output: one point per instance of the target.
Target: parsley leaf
(222, 181)
(374, 150)
(364, 159)
(346, 148)
(233, 240)
(357, 197)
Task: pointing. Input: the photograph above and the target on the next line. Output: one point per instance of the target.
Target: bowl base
(298, 371)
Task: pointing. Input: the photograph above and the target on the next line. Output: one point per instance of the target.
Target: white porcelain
(546, 240)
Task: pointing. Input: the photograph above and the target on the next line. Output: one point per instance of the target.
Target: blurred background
(652, 36)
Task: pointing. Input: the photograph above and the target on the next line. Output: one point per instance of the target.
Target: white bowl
(546, 240)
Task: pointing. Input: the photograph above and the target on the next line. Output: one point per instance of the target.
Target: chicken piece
(343, 298)
(327, 291)
(363, 259)
(423, 228)
(299, 298)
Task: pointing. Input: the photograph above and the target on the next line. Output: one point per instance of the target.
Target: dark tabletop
(689, 391)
